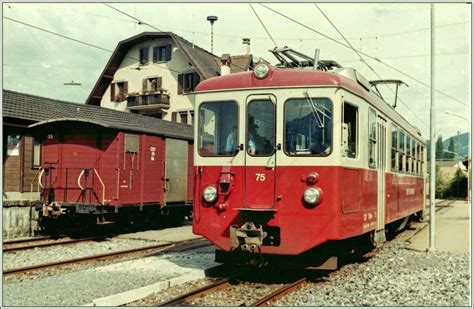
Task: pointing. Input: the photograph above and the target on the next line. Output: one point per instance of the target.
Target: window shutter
(168, 53)
(173, 116)
(155, 54)
(112, 92)
(196, 80)
(158, 82)
(146, 55)
(125, 88)
(144, 84)
(180, 83)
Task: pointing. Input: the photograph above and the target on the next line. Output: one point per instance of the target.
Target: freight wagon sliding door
(176, 171)
(129, 167)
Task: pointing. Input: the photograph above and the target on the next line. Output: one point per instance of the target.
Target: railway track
(186, 299)
(99, 257)
(35, 239)
(33, 243)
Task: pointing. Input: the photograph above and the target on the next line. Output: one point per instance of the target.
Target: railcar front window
(308, 126)
(261, 128)
(218, 133)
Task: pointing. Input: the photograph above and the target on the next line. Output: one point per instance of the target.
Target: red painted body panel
(259, 192)
(303, 228)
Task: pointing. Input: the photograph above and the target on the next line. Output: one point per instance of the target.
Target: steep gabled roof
(41, 110)
(206, 64)
(240, 63)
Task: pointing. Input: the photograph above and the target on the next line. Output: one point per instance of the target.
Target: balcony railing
(151, 100)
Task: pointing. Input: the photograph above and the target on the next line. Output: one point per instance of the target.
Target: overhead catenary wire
(84, 43)
(365, 54)
(263, 25)
(138, 20)
(368, 65)
(46, 53)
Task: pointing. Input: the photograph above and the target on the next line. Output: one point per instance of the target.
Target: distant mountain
(463, 144)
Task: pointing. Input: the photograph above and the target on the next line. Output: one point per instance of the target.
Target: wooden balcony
(148, 101)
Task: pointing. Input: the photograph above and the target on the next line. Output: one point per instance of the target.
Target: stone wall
(17, 219)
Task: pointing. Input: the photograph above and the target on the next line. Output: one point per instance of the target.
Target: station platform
(452, 229)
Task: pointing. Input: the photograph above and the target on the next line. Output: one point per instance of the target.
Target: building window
(162, 53)
(187, 82)
(349, 131)
(394, 148)
(152, 84)
(118, 91)
(155, 115)
(184, 117)
(144, 55)
(372, 137)
(13, 145)
(191, 117)
(36, 153)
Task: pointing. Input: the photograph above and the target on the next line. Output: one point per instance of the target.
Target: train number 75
(260, 177)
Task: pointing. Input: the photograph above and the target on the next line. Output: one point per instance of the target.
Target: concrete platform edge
(133, 295)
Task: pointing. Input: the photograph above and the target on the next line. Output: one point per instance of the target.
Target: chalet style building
(155, 74)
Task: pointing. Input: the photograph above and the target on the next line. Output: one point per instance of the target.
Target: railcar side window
(218, 133)
(418, 159)
(349, 131)
(422, 157)
(308, 126)
(414, 157)
(372, 137)
(408, 155)
(394, 148)
(401, 154)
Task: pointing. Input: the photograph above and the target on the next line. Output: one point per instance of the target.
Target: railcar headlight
(210, 194)
(261, 71)
(311, 196)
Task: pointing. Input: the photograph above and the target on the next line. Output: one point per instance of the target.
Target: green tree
(450, 155)
(457, 187)
(439, 147)
(440, 183)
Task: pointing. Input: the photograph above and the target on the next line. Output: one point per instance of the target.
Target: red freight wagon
(100, 169)
(292, 160)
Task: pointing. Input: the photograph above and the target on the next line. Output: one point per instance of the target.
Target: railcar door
(260, 152)
(381, 167)
(176, 171)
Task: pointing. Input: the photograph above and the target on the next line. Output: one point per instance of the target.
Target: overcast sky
(398, 34)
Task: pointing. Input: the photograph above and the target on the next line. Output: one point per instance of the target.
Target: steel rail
(265, 302)
(34, 239)
(183, 300)
(106, 256)
(49, 244)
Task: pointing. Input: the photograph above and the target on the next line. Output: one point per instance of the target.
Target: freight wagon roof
(279, 77)
(41, 110)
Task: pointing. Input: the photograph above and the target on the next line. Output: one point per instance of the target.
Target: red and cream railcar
(289, 159)
(106, 170)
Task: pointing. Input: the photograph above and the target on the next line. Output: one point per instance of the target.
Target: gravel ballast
(394, 277)
(81, 287)
(17, 259)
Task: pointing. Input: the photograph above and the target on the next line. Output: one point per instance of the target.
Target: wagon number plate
(260, 176)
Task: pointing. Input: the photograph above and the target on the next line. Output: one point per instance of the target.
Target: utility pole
(432, 136)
